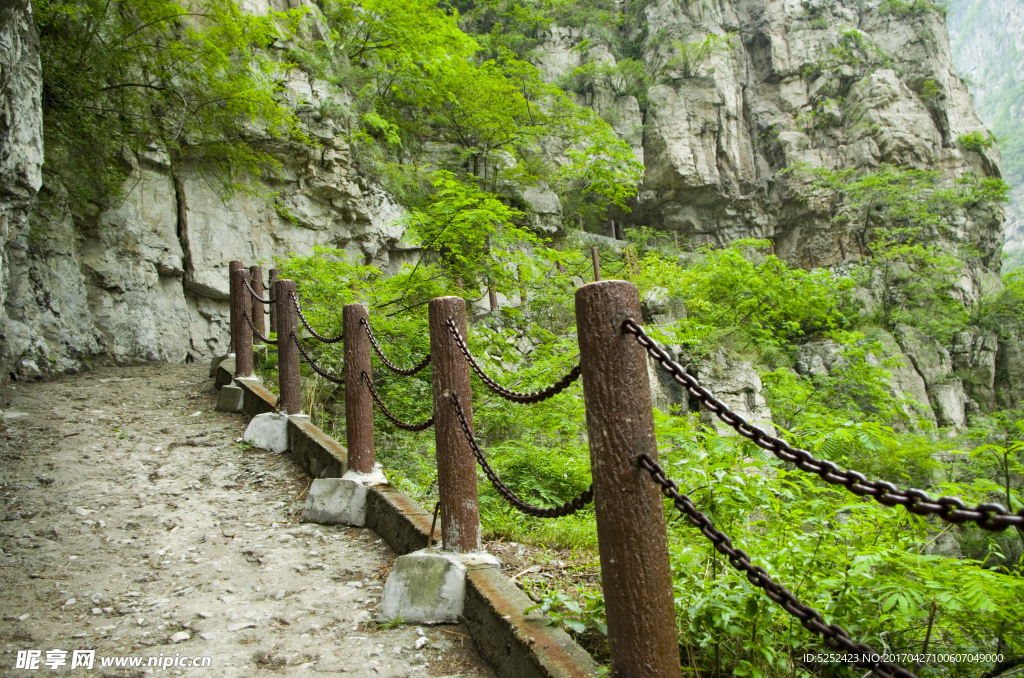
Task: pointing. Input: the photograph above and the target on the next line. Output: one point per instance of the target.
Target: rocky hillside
(988, 48)
(737, 95)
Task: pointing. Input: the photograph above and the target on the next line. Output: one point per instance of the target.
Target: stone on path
(230, 398)
(425, 586)
(267, 431)
(341, 501)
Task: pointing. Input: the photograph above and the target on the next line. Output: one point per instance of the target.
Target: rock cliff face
(21, 127)
(826, 83)
(830, 83)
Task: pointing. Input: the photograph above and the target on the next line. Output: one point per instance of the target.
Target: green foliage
(743, 298)
(864, 566)
(853, 49)
(902, 212)
(1004, 312)
(913, 9)
(473, 232)
(690, 59)
(975, 141)
(192, 80)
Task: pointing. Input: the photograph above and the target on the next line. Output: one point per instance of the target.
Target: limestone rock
(268, 431)
(974, 361)
(735, 382)
(426, 587)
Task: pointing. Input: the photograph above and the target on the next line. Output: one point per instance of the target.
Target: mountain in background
(987, 37)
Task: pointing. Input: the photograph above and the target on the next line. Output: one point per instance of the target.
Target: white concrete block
(425, 586)
(230, 398)
(268, 431)
(334, 501)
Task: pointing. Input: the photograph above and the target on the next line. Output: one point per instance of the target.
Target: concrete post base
(268, 431)
(230, 398)
(429, 586)
(341, 501)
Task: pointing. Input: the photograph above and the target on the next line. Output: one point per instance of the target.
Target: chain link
(534, 397)
(835, 637)
(326, 340)
(256, 296)
(387, 413)
(390, 365)
(566, 509)
(988, 516)
(256, 332)
(316, 368)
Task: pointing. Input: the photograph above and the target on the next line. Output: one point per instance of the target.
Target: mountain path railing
(628, 481)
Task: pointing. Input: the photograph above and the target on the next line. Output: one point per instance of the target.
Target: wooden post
(358, 402)
(242, 338)
(842, 250)
(611, 222)
(232, 267)
(273, 295)
(257, 312)
(596, 258)
(287, 352)
(632, 542)
(707, 240)
(772, 243)
(860, 243)
(811, 256)
(456, 466)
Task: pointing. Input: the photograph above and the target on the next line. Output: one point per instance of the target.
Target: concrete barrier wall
(516, 645)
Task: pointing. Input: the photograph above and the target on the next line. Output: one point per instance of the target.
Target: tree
(192, 80)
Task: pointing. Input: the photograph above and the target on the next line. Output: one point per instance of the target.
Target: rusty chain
(534, 397)
(387, 413)
(326, 340)
(835, 637)
(256, 332)
(566, 509)
(988, 516)
(316, 368)
(256, 296)
(390, 365)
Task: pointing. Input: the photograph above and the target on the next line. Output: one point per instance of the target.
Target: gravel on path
(135, 524)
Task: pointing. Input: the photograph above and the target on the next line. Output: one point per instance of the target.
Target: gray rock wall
(21, 134)
(715, 139)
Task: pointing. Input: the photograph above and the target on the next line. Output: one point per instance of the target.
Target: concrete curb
(516, 645)
(513, 643)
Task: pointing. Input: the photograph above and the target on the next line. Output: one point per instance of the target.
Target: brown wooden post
(810, 256)
(358, 402)
(456, 466)
(287, 352)
(842, 250)
(860, 243)
(596, 258)
(632, 542)
(243, 333)
(232, 267)
(257, 312)
(273, 295)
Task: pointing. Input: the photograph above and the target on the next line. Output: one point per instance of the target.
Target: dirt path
(135, 525)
